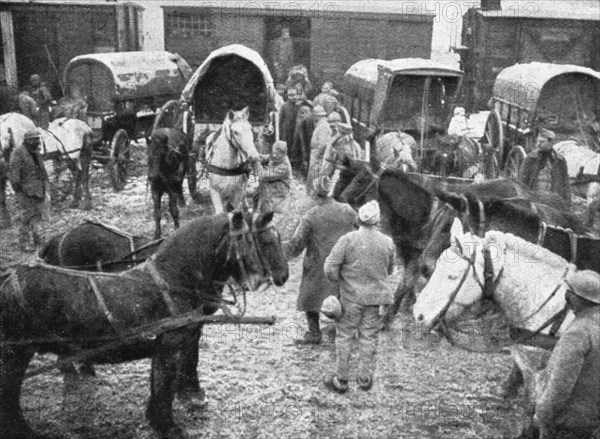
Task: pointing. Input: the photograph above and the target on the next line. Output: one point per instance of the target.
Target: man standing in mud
(569, 405)
(29, 181)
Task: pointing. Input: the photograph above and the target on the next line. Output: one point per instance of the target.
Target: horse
(65, 310)
(70, 141)
(13, 127)
(228, 155)
(526, 282)
(168, 157)
(531, 218)
(93, 245)
(409, 208)
(453, 156)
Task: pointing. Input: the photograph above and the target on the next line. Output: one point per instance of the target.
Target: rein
(488, 287)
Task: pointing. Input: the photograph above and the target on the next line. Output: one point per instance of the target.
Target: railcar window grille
(191, 25)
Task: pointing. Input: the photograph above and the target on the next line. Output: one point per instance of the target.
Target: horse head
(239, 131)
(269, 249)
(363, 186)
(457, 284)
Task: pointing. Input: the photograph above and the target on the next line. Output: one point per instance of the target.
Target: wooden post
(10, 58)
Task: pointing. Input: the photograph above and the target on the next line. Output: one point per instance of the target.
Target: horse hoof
(173, 433)
(193, 400)
(87, 370)
(74, 205)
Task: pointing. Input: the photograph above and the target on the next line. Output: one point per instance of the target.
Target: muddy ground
(259, 383)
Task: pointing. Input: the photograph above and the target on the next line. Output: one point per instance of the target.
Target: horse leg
(188, 386)
(216, 201)
(4, 214)
(166, 365)
(13, 364)
(510, 387)
(174, 207)
(192, 173)
(77, 182)
(156, 196)
(84, 162)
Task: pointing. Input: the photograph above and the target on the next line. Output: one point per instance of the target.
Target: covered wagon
(123, 92)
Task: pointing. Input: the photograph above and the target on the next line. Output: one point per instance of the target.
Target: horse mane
(508, 207)
(527, 252)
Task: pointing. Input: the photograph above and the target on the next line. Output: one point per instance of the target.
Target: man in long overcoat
(318, 143)
(29, 181)
(318, 231)
(546, 170)
(569, 404)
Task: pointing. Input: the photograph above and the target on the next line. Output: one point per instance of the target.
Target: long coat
(27, 174)
(571, 398)
(318, 143)
(318, 231)
(287, 122)
(535, 161)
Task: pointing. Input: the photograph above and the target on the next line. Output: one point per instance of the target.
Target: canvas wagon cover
(108, 77)
(523, 84)
(231, 77)
(361, 78)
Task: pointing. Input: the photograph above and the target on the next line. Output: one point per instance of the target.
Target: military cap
(585, 284)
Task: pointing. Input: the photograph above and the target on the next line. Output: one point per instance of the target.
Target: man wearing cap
(331, 104)
(43, 98)
(29, 181)
(27, 105)
(340, 150)
(361, 262)
(318, 143)
(300, 152)
(317, 232)
(544, 170)
(276, 181)
(569, 404)
(326, 90)
(288, 114)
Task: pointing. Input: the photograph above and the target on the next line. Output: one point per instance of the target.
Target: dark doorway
(299, 32)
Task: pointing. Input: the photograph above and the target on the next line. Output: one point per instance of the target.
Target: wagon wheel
(493, 145)
(167, 115)
(120, 153)
(514, 161)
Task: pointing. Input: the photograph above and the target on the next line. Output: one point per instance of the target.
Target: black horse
(168, 160)
(409, 208)
(64, 309)
(93, 245)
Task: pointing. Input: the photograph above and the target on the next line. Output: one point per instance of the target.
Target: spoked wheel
(120, 154)
(514, 160)
(492, 144)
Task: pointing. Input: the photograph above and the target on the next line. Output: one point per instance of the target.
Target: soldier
(28, 106)
(43, 98)
(29, 181)
(569, 405)
(546, 170)
(317, 232)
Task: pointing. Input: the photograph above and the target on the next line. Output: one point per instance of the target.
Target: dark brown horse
(64, 310)
(94, 245)
(409, 207)
(168, 159)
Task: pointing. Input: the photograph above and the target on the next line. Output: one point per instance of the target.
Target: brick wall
(336, 42)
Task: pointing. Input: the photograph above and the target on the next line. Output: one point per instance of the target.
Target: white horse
(13, 127)
(70, 141)
(582, 162)
(526, 281)
(230, 154)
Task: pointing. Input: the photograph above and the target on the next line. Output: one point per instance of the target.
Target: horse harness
(226, 172)
(488, 287)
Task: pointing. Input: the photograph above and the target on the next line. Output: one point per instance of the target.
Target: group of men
(352, 265)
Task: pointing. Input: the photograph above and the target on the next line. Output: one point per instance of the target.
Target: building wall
(335, 43)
